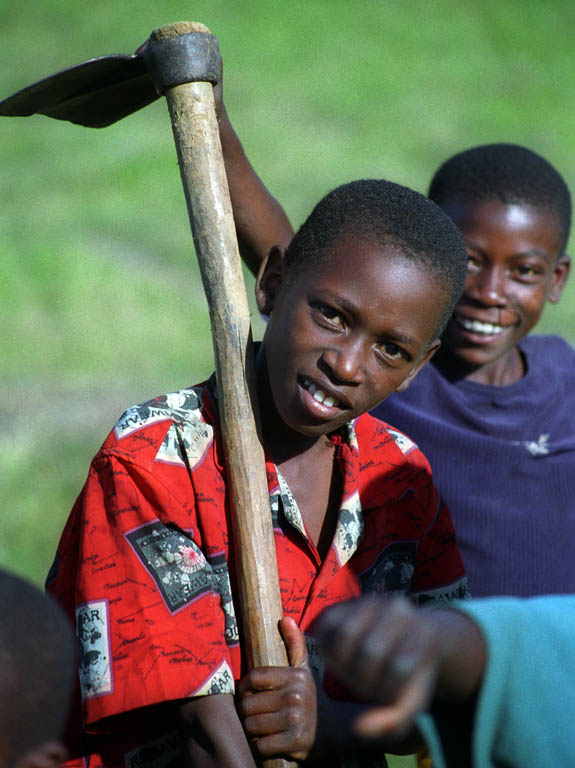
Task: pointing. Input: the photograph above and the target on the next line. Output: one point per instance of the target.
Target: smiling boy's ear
(270, 278)
(560, 275)
(432, 349)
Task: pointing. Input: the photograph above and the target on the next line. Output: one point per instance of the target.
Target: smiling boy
(495, 412)
(356, 305)
(516, 265)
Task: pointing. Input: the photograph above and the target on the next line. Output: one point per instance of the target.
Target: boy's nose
(345, 362)
(487, 286)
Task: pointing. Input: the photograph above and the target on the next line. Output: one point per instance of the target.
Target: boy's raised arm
(260, 220)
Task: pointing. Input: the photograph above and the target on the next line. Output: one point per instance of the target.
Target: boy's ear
(51, 754)
(270, 278)
(560, 275)
(419, 365)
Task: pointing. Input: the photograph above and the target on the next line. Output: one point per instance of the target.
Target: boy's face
(345, 333)
(514, 268)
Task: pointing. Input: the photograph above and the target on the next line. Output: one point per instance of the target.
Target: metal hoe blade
(94, 93)
(101, 91)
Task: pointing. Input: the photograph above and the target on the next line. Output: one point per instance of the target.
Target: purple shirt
(504, 460)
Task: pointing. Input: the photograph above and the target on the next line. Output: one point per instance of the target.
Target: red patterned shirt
(145, 570)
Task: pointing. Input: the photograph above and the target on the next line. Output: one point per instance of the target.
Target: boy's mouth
(478, 327)
(319, 395)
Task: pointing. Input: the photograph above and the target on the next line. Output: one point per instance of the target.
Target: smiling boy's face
(514, 269)
(346, 333)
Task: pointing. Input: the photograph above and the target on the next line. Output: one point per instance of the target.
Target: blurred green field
(101, 301)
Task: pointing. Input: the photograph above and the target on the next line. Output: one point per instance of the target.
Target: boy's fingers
(287, 684)
(409, 664)
(397, 718)
(264, 723)
(259, 703)
(264, 679)
(378, 722)
(363, 642)
(343, 627)
(330, 622)
(281, 721)
(281, 733)
(279, 744)
(294, 641)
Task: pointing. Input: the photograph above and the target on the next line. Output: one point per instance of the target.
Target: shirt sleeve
(524, 714)
(439, 574)
(145, 598)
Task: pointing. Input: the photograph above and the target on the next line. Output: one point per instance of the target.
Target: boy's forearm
(463, 655)
(260, 220)
(214, 735)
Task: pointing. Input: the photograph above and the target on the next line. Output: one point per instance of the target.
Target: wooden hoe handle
(195, 129)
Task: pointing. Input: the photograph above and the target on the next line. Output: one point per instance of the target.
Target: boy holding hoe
(485, 412)
(145, 566)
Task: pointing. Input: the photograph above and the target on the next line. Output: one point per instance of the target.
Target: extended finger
(397, 718)
(411, 657)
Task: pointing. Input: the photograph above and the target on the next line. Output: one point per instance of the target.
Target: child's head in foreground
(36, 671)
(514, 212)
(357, 302)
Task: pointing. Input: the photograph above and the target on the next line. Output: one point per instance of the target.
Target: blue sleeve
(526, 706)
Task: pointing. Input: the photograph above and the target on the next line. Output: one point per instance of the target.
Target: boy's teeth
(478, 327)
(319, 394)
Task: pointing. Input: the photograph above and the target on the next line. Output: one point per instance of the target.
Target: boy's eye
(527, 272)
(330, 314)
(392, 352)
(473, 264)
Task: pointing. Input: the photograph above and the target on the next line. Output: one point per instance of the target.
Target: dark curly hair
(390, 215)
(506, 172)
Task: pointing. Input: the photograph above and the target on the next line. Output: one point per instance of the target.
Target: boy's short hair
(508, 173)
(36, 668)
(393, 216)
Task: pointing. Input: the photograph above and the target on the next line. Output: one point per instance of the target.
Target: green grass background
(101, 304)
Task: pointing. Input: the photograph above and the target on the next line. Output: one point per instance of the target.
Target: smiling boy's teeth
(478, 327)
(317, 394)
(312, 388)
(329, 401)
